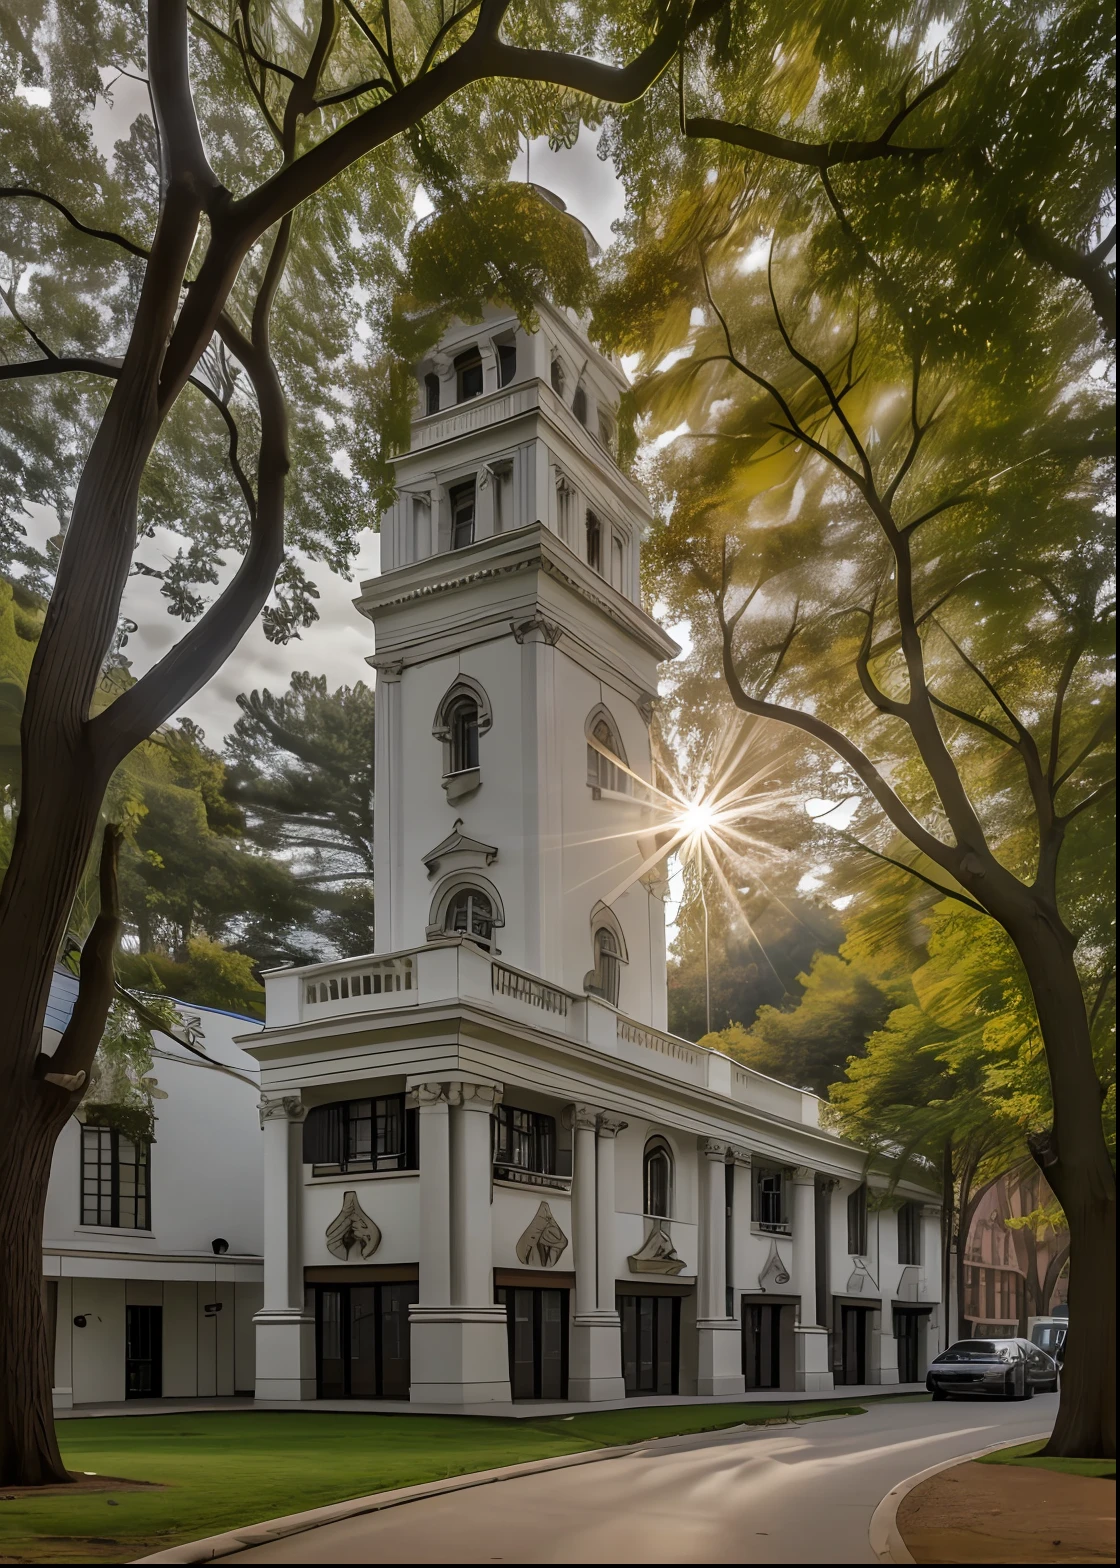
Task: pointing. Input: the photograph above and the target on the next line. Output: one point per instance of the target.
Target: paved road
(796, 1495)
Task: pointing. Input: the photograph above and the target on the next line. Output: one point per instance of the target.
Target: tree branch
(26, 191)
(948, 892)
(1090, 270)
(822, 155)
(1103, 730)
(1090, 800)
(69, 1068)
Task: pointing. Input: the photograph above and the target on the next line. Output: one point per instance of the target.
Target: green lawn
(1030, 1454)
(224, 1470)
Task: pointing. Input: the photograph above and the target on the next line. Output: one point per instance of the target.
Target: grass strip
(1031, 1455)
(221, 1470)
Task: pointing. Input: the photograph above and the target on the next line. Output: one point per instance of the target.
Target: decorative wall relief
(860, 1273)
(657, 1255)
(774, 1272)
(543, 1242)
(352, 1230)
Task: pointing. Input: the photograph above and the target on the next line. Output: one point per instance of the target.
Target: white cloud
(39, 96)
(833, 813)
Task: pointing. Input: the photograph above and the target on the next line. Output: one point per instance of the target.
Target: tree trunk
(29, 1454)
(1074, 1159)
(52, 841)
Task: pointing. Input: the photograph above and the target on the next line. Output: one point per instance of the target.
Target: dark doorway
(853, 1344)
(362, 1340)
(907, 1333)
(537, 1324)
(762, 1344)
(651, 1335)
(143, 1353)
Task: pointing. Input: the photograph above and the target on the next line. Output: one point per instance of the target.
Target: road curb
(886, 1540)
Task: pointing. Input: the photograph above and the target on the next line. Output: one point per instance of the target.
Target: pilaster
(595, 1344)
(810, 1337)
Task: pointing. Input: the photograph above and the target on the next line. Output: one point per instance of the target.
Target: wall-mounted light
(212, 1308)
(219, 1245)
(80, 1320)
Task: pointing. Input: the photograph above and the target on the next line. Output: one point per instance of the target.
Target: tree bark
(1074, 1159)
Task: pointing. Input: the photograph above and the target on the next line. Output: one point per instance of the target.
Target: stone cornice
(533, 548)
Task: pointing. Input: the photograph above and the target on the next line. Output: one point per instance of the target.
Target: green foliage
(207, 974)
(810, 1045)
(301, 771)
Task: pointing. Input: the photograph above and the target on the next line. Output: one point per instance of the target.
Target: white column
(737, 1275)
(582, 1119)
(719, 1350)
(285, 1332)
(458, 1336)
(434, 1141)
(595, 1346)
(608, 1129)
(810, 1337)
(472, 1272)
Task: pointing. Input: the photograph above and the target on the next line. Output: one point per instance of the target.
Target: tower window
(556, 376)
(604, 772)
(579, 405)
(607, 961)
(606, 432)
(462, 724)
(617, 558)
(468, 375)
(507, 363)
(431, 394)
(594, 542)
(470, 913)
(657, 1171)
(462, 516)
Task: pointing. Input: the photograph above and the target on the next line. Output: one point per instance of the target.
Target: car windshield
(980, 1350)
(1048, 1336)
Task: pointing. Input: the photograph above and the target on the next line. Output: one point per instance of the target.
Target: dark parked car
(995, 1368)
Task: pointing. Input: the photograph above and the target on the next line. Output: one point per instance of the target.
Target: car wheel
(1009, 1389)
(1028, 1388)
(939, 1393)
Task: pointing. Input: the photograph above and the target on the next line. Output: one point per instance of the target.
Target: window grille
(470, 913)
(524, 1141)
(116, 1186)
(361, 1135)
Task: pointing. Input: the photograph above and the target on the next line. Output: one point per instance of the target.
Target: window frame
(910, 1234)
(468, 361)
(580, 404)
(506, 355)
(457, 501)
(524, 1143)
(657, 1149)
(593, 540)
(432, 392)
(470, 891)
(464, 726)
(379, 1159)
(141, 1166)
(768, 1200)
(607, 966)
(857, 1221)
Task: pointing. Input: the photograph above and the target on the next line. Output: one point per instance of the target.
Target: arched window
(607, 960)
(603, 771)
(462, 727)
(470, 913)
(579, 404)
(463, 715)
(462, 515)
(431, 394)
(556, 376)
(657, 1179)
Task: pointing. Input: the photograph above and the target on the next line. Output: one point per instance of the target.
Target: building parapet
(457, 968)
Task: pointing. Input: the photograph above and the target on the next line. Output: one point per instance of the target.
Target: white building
(152, 1244)
(489, 1169)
